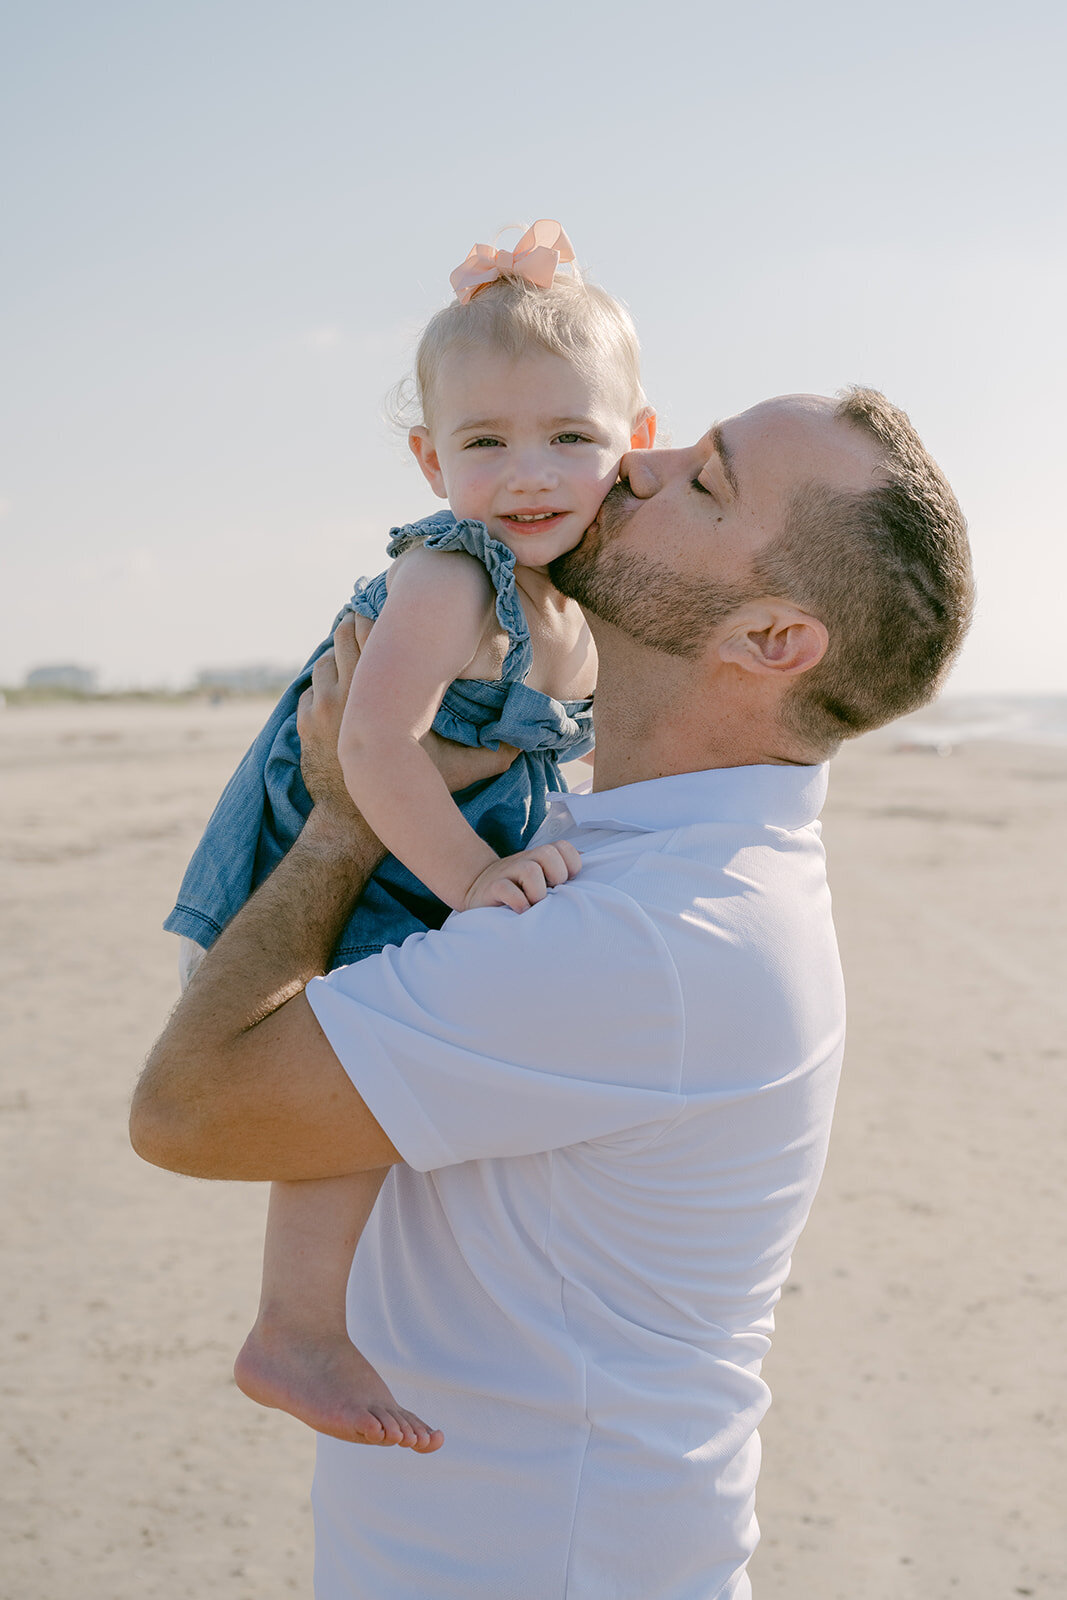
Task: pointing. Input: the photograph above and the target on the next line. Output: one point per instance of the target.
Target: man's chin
(563, 568)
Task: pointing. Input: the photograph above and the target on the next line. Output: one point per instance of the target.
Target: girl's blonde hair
(570, 318)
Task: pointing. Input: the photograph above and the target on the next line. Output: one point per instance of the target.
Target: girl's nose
(529, 470)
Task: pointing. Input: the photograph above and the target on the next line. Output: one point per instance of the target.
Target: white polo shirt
(614, 1112)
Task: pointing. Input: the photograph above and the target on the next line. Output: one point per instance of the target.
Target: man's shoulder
(587, 957)
(740, 911)
(590, 926)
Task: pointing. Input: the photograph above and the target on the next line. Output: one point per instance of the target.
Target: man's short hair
(888, 571)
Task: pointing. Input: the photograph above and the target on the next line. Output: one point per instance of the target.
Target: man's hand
(318, 721)
(460, 765)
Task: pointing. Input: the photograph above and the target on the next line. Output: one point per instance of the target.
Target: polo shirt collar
(774, 796)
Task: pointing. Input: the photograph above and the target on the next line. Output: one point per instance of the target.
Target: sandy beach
(914, 1450)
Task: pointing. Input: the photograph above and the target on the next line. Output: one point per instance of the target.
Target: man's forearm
(199, 1076)
(286, 932)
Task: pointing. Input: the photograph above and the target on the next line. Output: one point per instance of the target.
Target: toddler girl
(530, 393)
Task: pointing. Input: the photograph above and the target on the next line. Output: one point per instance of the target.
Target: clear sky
(224, 222)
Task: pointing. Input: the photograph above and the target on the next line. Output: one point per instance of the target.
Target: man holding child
(606, 1118)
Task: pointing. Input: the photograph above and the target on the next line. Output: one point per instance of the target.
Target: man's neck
(659, 722)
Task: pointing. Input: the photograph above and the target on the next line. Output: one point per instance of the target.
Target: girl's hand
(521, 881)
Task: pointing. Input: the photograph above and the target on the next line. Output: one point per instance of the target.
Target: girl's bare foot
(324, 1381)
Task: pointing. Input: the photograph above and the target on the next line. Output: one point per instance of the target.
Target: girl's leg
(298, 1356)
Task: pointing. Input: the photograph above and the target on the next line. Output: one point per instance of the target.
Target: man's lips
(614, 509)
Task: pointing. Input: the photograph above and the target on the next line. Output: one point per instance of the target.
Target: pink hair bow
(535, 258)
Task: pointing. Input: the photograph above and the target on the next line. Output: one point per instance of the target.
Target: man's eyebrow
(726, 459)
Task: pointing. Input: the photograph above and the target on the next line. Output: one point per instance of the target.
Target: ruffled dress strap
(473, 537)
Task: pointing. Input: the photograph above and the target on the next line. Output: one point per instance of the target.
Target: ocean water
(961, 719)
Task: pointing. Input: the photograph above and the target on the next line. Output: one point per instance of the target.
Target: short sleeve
(508, 1035)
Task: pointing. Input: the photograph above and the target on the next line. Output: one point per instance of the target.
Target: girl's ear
(644, 434)
(421, 446)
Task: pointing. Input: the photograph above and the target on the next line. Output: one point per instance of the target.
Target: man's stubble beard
(659, 609)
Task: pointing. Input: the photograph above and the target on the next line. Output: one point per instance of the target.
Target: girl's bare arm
(439, 610)
(460, 765)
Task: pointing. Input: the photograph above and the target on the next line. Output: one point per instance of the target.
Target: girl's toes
(428, 1438)
(390, 1430)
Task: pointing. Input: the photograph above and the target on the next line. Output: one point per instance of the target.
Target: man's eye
(701, 486)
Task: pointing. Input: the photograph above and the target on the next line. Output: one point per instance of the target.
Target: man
(606, 1118)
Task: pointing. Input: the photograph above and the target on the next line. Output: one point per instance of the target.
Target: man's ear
(775, 637)
(644, 434)
(421, 446)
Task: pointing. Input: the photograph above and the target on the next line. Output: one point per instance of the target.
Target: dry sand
(913, 1448)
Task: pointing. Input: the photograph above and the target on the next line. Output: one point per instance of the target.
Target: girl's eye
(481, 444)
(571, 438)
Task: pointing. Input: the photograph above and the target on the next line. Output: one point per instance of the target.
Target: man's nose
(648, 471)
(638, 469)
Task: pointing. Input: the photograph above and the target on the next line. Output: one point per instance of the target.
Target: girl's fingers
(558, 862)
(571, 858)
(506, 893)
(524, 880)
(531, 879)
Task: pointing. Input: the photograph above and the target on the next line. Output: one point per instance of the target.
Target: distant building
(258, 678)
(65, 676)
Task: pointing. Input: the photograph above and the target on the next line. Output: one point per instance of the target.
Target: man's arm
(242, 1082)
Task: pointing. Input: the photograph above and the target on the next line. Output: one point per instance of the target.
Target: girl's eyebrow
(496, 423)
(477, 422)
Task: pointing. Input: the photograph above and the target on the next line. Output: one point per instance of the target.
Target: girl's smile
(532, 519)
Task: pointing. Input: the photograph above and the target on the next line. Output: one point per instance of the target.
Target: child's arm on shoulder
(440, 606)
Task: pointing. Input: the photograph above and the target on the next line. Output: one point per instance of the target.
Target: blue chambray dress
(265, 804)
